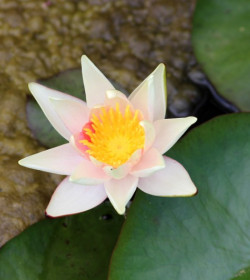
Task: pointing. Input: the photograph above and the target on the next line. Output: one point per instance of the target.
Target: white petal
(120, 191)
(168, 131)
(173, 180)
(95, 83)
(97, 110)
(135, 158)
(70, 198)
(124, 169)
(60, 160)
(74, 141)
(150, 162)
(114, 93)
(119, 172)
(113, 97)
(87, 173)
(73, 114)
(152, 89)
(43, 95)
(143, 100)
(149, 134)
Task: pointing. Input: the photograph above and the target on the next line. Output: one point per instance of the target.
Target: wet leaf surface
(221, 44)
(203, 237)
(73, 247)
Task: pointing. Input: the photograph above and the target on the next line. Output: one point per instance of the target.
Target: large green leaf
(222, 46)
(204, 237)
(74, 247)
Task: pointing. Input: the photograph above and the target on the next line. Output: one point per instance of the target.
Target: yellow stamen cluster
(115, 135)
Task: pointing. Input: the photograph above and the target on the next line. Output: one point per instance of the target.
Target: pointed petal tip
(121, 211)
(193, 192)
(84, 58)
(20, 162)
(118, 208)
(192, 119)
(25, 162)
(33, 86)
(47, 215)
(161, 66)
(86, 62)
(52, 215)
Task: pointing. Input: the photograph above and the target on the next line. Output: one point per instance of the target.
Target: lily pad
(74, 247)
(221, 43)
(203, 237)
(70, 82)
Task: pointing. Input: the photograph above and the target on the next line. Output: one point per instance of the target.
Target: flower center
(114, 136)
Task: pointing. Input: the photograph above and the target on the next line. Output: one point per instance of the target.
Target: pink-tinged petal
(120, 191)
(150, 162)
(97, 110)
(77, 145)
(96, 162)
(87, 173)
(113, 97)
(124, 169)
(144, 98)
(168, 131)
(43, 95)
(149, 134)
(153, 89)
(70, 198)
(95, 83)
(60, 160)
(173, 180)
(119, 172)
(73, 114)
(135, 158)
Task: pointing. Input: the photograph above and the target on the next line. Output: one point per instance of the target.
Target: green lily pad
(203, 237)
(74, 247)
(70, 82)
(221, 43)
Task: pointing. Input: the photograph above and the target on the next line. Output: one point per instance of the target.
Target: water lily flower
(116, 144)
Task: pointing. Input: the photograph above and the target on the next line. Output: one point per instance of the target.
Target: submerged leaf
(74, 247)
